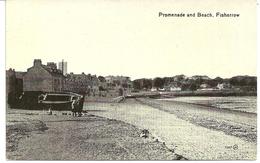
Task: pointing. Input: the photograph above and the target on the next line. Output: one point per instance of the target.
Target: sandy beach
(193, 131)
(34, 135)
(111, 131)
(231, 122)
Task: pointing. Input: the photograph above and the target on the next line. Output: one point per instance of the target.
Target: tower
(63, 67)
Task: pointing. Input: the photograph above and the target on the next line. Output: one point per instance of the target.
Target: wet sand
(188, 129)
(231, 122)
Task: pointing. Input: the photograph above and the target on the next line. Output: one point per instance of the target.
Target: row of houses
(81, 83)
(48, 78)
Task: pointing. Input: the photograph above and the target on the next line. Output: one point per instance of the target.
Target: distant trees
(194, 83)
(246, 83)
(243, 81)
(193, 86)
(142, 84)
(101, 88)
(190, 85)
(218, 79)
(214, 82)
(101, 79)
(158, 82)
(148, 83)
(137, 84)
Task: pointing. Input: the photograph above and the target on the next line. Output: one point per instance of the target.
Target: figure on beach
(77, 106)
(74, 107)
(80, 106)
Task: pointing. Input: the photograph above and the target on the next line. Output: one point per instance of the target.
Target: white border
(2, 82)
(258, 72)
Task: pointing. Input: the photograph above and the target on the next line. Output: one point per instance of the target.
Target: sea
(235, 103)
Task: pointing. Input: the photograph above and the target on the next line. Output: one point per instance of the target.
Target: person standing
(73, 107)
(81, 104)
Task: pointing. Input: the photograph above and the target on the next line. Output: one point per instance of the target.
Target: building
(153, 89)
(63, 67)
(172, 88)
(204, 86)
(119, 85)
(19, 81)
(199, 77)
(14, 87)
(114, 82)
(45, 78)
(10, 81)
(52, 65)
(81, 83)
(223, 86)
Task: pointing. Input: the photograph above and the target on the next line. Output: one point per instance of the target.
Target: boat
(57, 101)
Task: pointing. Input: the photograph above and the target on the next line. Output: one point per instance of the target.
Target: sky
(120, 37)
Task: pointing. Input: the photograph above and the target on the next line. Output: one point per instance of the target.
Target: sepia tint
(131, 80)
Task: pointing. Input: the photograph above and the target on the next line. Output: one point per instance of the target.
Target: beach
(111, 131)
(34, 135)
(196, 132)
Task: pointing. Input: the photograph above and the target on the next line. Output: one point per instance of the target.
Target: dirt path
(77, 138)
(192, 141)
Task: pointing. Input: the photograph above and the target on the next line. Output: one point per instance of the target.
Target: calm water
(245, 104)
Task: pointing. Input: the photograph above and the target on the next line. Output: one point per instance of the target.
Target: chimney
(52, 65)
(37, 62)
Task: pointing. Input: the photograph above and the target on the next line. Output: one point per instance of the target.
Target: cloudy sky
(120, 37)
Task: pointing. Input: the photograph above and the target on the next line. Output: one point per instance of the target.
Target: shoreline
(211, 93)
(163, 119)
(212, 122)
(206, 105)
(189, 129)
